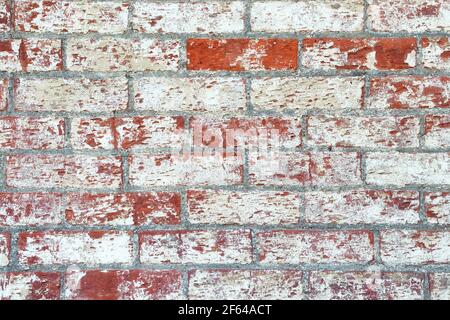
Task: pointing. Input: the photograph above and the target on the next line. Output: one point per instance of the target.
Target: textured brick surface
(30, 286)
(224, 149)
(304, 15)
(123, 285)
(359, 54)
(365, 286)
(245, 284)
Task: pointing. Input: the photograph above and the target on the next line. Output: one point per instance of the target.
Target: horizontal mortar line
(232, 152)
(308, 73)
(224, 115)
(349, 267)
(237, 187)
(217, 227)
(238, 34)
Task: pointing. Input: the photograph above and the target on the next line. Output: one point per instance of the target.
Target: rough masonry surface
(118, 180)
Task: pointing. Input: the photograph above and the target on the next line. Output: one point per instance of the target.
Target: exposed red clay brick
(242, 54)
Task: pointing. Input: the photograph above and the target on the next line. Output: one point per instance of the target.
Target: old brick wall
(96, 95)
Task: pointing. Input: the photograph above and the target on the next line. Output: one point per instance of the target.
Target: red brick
(127, 133)
(242, 54)
(437, 207)
(359, 54)
(29, 286)
(70, 95)
(436, 53)
(30, 55)
(123, 208)
(409, 92)
(242, 132)
(123, 285)
(362, 207)
(70, 16)
(315, 246)
(240, 207)
(437, 131)
(364, 132)
(440, 286)
(196, 246)
(60, 171)
(304, 169)
(31, 133)
(178, 170)
(245, 285)
(414, 247)
(334, 285)
(5, 249)
(30, 209)
(70, 247)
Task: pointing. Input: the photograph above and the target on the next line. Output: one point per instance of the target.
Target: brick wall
(96, 95)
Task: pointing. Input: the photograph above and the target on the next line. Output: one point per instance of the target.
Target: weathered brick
(240, 208)
(30, 55)
(304, 94)
(440, 286)
(415, 247)
(408, 15)
(246, 132)
(70, 247)
(30, 209)
(402, 169)
(120, 54)
(365, 132)
(4, 94)
(304, 169)
(221, 95)
(59, 171)
(196, 246)
(411, 92)
(127, 133)
(71, 95)
(245, 285)
(123, 208)
(305, 15)
(29, 286)
(436, 53)
(315, 246)
(4, 16)
(70, 16)
(359, 53)
(5, 248)
(188, 17)
(437, 131)
(31, 133)
(123, 285)
(437, 207)
(242, 54)
(362, 207)
(333, 285)
(190, 169)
